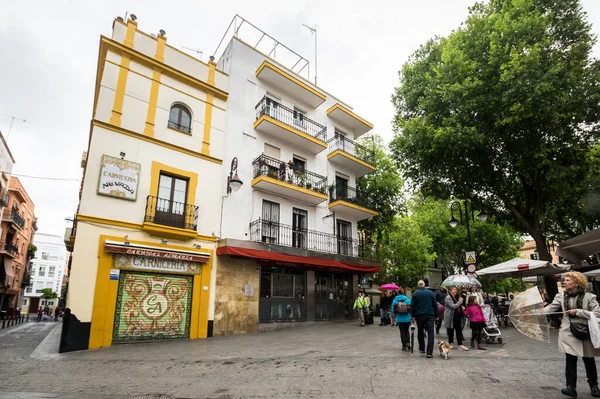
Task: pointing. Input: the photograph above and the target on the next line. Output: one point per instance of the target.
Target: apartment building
(46, 271)
(144, 234)
(6, 269)
(290, 249)
(18, 228)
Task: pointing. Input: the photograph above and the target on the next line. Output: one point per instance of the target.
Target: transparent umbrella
(525, 313)
(461, 281)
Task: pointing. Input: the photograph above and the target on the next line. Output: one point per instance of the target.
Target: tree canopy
(504, 111)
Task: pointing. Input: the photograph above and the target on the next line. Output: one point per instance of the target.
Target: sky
(49, 52)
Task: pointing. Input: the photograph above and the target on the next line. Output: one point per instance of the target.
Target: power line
(43, 177)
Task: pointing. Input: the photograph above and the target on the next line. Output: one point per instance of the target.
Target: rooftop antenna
(313, 31)
(196, 50)
(11, 123)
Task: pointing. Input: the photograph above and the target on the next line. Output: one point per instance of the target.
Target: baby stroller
(491, 332)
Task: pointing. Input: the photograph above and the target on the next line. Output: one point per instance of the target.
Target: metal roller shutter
(152, 307)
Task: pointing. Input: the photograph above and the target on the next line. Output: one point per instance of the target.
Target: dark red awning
(296, 261)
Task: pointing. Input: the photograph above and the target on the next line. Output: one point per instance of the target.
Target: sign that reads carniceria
(119, 178)
(148, 263)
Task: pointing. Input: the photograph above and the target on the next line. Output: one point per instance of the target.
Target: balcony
(292, 126)
(351, 155)
(3, 197)
(10, 249)
(169, 219)
(347, 202)
(180, 127)
(290, 84)
(349, 119)
(274, 233)
(281, 178)
(14, 217)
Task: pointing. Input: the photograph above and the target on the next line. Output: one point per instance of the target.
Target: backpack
(401, 307)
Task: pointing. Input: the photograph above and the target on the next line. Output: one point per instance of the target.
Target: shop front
(150, 293)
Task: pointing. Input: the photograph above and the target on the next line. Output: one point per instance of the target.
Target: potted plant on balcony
(291, 164)
(309, 185)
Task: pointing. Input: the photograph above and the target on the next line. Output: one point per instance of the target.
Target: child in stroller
(491, 332)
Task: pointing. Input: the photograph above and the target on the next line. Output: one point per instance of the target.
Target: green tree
(383, 187)
(504, 110)
(47, 294)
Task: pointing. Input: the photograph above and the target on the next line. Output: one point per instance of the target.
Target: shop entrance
(152, 307)
(282, 295)
(332, 297)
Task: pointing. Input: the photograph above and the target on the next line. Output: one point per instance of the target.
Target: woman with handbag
(574, 337)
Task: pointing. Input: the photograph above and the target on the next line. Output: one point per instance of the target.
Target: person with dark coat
(384, 309)
(424, 309)
(440, 297)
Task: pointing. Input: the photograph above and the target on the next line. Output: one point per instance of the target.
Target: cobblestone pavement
(337, 360)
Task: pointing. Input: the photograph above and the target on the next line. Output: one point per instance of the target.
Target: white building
(47, 270)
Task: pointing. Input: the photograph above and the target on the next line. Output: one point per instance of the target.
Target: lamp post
(469, 214)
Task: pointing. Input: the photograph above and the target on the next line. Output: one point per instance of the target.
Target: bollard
(27, 317)
(3, 321)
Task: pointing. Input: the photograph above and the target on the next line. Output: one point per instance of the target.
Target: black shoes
(595, 391)
(429, 356)
(570, 391)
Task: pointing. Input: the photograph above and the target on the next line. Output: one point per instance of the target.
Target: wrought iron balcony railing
(288, 236)
(16, 217)
(178, 126)
(3, 197)
(348, 146)
(170, 213)
(286, 172)
(10, 247)
(290, 117)
(349, 194)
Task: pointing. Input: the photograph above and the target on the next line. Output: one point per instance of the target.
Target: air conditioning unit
(84, 159)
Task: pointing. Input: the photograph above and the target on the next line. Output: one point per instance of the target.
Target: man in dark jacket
(424, 310)
(440, 297)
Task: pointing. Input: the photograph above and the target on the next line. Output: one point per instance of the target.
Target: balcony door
(341, 188)
(299, 227)
(344, 237)
(170, 204)
(270, 222)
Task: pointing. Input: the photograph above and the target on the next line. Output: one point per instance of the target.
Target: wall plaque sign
(119, 178)
(151, 264)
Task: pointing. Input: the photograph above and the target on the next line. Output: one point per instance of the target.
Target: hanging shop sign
(148, 263)
(119, 178)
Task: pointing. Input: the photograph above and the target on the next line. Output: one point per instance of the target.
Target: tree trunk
(549, 280)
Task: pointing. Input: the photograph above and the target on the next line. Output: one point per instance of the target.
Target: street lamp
(469, 214)
(233, 181)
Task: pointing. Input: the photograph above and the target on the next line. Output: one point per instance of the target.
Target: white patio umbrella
(520, 267)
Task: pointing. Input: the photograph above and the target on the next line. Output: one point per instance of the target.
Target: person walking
(453, 318)
(56, 313)
(400, 307)
(474, 313)
(40, 312)
(424, 310)
(440, 297)
(393, 294)
(384, 308)
(361, 305)
(577, 306)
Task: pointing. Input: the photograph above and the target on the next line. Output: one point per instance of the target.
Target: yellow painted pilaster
(130, 35)
(205, 298)
(207, 124)
(212, 66)
(160, 48)
(151, 116)
(117, 111)
(105, 301)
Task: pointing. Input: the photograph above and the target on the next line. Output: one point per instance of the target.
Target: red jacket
(475, 314)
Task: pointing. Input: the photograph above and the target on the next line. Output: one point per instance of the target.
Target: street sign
(471, 268)
(470, 257)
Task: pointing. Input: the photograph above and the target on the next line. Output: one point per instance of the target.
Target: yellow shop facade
(144, 236)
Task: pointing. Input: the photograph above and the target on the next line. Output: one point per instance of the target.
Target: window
(38, 291)
(29, 290)
(50, 303)
(270, 222)
(42, 271)
(299, 164)
(341, 188)
(299, 117)
(272, 151)
(171, 201)
(180, 118)
(25, 301)
(344, 239)
(45, 256)
(33, 272)
(299, 226)
(49, 284)
(54, 258)
(51, 271)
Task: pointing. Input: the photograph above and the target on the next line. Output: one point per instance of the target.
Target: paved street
(337, 360)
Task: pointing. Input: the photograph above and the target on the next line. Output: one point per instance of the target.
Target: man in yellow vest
(361, 305)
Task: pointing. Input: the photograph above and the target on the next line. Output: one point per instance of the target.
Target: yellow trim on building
(267, 64)
(267, 118)
(117, 110)
(160, 48)
(106, 290)
(130, 35)
(118, 129)
(212, 66)
(173, 233)
(354, 206)
(151, 115)
(129, 225)
(351, 157)
(289, 186)
(350, 113)
(207, 124)
(167, 69)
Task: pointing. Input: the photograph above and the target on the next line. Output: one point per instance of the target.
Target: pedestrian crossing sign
(470, 257)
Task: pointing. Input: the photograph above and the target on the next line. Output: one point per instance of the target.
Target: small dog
(444, 349)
